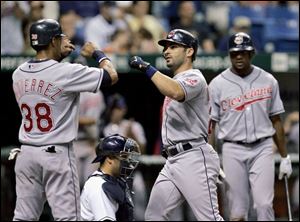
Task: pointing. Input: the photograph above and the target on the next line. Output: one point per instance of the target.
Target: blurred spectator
(73, 26)
(100, 28)
(200, 28)
(27, 49)
(160, 9)
(291, 129)
(240, 24)
(36, 10)
(51, 9)
(120, 42)
(85, 9)
(116, 123)
(143, 42)
(12, 14)
(141, 18)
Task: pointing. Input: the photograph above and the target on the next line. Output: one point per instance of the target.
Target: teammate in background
(47, 93)
(246, 105)
(91, 106)
(192, 167)
(106, 195)
(115, 121)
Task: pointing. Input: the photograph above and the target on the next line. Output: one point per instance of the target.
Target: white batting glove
(222, 176)
(13, 153)
(285, 167)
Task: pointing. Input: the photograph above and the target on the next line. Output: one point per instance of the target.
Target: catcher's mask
(125, 149)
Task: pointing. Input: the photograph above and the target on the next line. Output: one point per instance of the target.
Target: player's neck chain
(44, 59)
(35, 60)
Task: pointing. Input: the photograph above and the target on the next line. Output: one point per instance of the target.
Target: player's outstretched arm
(89, 50)
(166, 85)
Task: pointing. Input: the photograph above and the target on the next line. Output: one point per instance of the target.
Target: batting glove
(285, 167)
(138, 63)
(13, 153)
(221, 177)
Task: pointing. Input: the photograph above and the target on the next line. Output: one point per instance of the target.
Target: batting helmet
(118, 146)
(42, 31)
(240, 42)
(181, 37)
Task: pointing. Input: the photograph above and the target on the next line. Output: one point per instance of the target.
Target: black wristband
(150, 71)
(99, 56)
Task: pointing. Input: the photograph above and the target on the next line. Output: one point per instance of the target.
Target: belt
(244, 143)
(174, 150)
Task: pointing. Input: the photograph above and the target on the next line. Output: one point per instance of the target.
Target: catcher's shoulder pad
(113, 190)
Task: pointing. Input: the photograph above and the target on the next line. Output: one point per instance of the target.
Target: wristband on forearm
(99, 56)
(150, 71)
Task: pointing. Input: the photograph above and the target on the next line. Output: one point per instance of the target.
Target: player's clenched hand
(137, 62)
(88, 49)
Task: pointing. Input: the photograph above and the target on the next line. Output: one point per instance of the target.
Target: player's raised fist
(88, 49)
(137, 62)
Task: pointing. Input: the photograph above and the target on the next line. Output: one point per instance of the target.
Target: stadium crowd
(135, 26)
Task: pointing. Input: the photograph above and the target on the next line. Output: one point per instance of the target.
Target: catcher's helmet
(240, 42)
(42, 31)
(118, 146)
(181, 37)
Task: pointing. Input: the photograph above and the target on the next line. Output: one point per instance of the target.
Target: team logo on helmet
(34, 36)
(238, 40)
(171, 34)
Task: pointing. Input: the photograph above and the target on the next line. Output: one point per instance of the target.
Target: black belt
(249, 144)
(172, 151)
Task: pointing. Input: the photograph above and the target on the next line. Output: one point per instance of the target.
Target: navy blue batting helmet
(240, 42)
(181, 37)
(42, 31)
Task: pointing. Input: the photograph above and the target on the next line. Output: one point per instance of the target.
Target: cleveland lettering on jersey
(249, 97)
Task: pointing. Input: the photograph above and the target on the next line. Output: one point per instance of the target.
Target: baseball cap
(116, 101)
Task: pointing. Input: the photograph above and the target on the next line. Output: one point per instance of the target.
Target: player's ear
(190, 52)
(55, 41)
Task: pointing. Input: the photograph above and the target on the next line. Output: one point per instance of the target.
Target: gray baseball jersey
(186, 121)
(48, 96)
(47, 93)
(190, 174)
(242, 107)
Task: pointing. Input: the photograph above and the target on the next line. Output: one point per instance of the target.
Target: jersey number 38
(42, 117)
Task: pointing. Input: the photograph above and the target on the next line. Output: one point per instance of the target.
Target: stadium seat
(255, 13)
(281, 12)
(282, 33)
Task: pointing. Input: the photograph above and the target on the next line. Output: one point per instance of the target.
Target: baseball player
(47, 93)
(106, 195)
(192, 167)
(246, 105)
